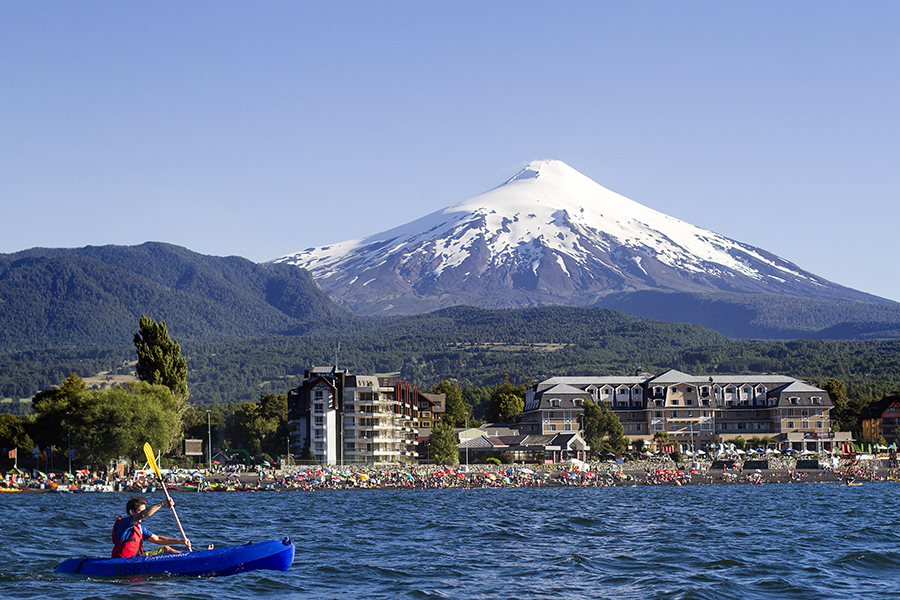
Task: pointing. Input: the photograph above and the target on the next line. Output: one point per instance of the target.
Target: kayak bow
(274, 555)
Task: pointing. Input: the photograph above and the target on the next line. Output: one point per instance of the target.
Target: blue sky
(260, 129)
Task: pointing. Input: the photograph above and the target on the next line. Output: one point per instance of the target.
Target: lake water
(798, 541)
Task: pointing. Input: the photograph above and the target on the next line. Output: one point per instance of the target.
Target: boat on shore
(274, 555)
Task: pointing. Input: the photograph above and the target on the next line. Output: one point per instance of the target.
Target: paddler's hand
(187, 543)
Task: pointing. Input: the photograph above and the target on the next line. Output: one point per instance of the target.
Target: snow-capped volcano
(547, 236)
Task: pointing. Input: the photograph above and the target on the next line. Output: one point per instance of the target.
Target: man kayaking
(129, 535)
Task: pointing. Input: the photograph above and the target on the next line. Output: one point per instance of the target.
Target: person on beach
(129, 534)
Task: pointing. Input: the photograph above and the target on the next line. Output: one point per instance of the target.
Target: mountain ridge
(96, 295)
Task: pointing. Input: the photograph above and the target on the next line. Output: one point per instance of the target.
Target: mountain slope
(549, 236)
(95, 296)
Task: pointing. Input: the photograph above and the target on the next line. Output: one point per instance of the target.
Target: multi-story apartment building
(693, 411)
(353, 419)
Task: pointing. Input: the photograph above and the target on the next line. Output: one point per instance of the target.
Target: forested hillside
(93, 296)
(478, 347)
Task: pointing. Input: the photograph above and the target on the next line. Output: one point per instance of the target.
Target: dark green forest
(475, 347)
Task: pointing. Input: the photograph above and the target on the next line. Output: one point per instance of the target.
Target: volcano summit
(548, 236)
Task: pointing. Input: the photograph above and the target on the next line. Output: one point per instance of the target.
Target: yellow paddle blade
(148, 452)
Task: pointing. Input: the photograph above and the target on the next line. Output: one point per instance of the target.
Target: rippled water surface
(798, 541)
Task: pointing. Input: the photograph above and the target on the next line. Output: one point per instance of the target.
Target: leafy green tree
(455, 410)
(159, 358)
(601, 428)
(260, 426)
(196, 425)
(118, 421)
(53, 408)
(442, 445)
(12, 433)
(660, 437)
(479, 398)
(507, 401)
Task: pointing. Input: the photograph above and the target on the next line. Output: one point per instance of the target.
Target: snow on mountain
(549, 235)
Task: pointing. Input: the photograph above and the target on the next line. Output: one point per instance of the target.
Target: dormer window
(795, 400)
(554, 402)
(578, 402)
(816, 400)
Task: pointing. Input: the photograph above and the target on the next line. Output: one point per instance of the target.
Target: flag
(49, 453)
(34, 452)
(72, 453)
(12, 453)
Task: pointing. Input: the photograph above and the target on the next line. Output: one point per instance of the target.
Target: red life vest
(131, 546)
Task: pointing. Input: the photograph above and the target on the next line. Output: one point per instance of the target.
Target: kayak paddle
(148, 452)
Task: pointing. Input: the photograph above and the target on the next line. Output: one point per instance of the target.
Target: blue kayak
(274, 555)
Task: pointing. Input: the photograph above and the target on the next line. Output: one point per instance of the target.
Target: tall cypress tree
(160, 363)
(159, 358)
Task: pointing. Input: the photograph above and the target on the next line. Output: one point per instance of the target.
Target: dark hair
(133, 504)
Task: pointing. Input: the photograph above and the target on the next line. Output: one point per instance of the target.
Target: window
(689, 390)
(426, 415)
(673, 427)
(426, 424)
(318, 407)
(689, 401)
(319, 421)
(551, 415)
(578, 402)
(674, 414)
(675, 402)
(554, 402)
(790, 424)
(551, 427)
(658, 414)
(567, 427)
(816, 400)
(795, 401)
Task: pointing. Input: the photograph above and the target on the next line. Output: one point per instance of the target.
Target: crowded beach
(735, 470)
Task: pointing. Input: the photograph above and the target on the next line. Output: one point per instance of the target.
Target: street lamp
(209, 440)
(69, 436)
(467, 442)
